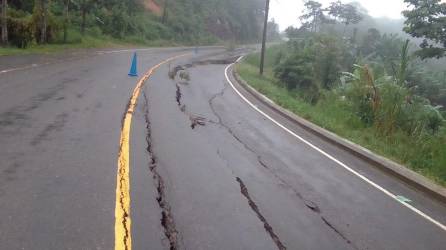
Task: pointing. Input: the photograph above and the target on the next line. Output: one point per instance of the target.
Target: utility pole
(265, 27)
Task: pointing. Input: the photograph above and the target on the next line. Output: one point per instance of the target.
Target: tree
(292, 32)
(427, 20)
(335, 10)
(66, 20)
(350, 15)
(265, 27)
(4, 21)
(313, 15)
(370, 41)
(388, 49)
(84, 10)
(344, 13)
(41, 9)
(273, 33)
(89, 5)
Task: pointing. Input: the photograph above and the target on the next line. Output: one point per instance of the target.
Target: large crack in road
(198, 120)
(167, 220)
(255, 208)
(308, 203)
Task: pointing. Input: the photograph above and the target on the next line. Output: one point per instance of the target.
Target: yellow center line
(123, 239)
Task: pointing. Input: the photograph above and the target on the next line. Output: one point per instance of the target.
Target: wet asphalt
(207, 171)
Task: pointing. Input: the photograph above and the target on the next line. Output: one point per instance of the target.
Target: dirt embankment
(153, 7)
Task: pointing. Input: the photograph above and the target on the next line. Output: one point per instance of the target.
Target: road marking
(101, 52)
(385, 191)
(123, 239)
(21, 68)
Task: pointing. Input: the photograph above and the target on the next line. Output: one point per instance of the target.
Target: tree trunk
(4, 38)
(166, 6)
(84, 17)
(65, 25)
(43, 21)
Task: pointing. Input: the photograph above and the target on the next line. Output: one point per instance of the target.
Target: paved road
(207, 171)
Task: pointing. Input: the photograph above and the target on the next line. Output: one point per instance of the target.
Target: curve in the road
(122, 209)
(362, 177)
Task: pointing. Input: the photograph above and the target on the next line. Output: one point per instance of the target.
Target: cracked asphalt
(206, 170)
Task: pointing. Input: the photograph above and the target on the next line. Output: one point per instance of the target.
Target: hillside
(152, 6)
(136, 21)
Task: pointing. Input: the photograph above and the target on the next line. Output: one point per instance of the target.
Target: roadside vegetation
(373, 88)
(51, 25)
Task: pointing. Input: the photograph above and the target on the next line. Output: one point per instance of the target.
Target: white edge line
(385, 191)
(100, 52)
(15, 69)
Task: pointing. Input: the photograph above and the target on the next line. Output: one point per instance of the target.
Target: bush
(391, 99)
(94, 31)
(419, 116)
(329, 60)
(116, 21)
(296, 73)
(20, 32)
(53, 27)
(361, 92)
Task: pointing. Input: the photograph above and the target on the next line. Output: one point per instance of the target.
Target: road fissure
(255, 208)
(195, 120)
(313, 206)
(338, 162)
(123, 239)
(243, 188)
(167, 220)
(178, 95)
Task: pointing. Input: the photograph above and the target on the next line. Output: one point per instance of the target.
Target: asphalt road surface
(200, 168)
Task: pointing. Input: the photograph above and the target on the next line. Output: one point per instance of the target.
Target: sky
(286, 12)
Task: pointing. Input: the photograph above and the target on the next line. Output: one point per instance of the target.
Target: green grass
(426, 156)
(84, 43)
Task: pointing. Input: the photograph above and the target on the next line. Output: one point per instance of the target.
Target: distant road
(190, 166)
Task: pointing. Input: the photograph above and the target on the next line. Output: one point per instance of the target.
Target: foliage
(366, 85)
(273, 33)
(427, 20)
(387, 53)
(313, 16)
(297, 70)
(419, 117)
(345, 13)
(370, 42)
(362, 93)
(424, 153)
(20, 29)
(188, 21)
(318, 59)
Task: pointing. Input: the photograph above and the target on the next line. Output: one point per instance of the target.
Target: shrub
(361, 92)
(419, 117)
(297, 73)
(20, 32)
(391, 99)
